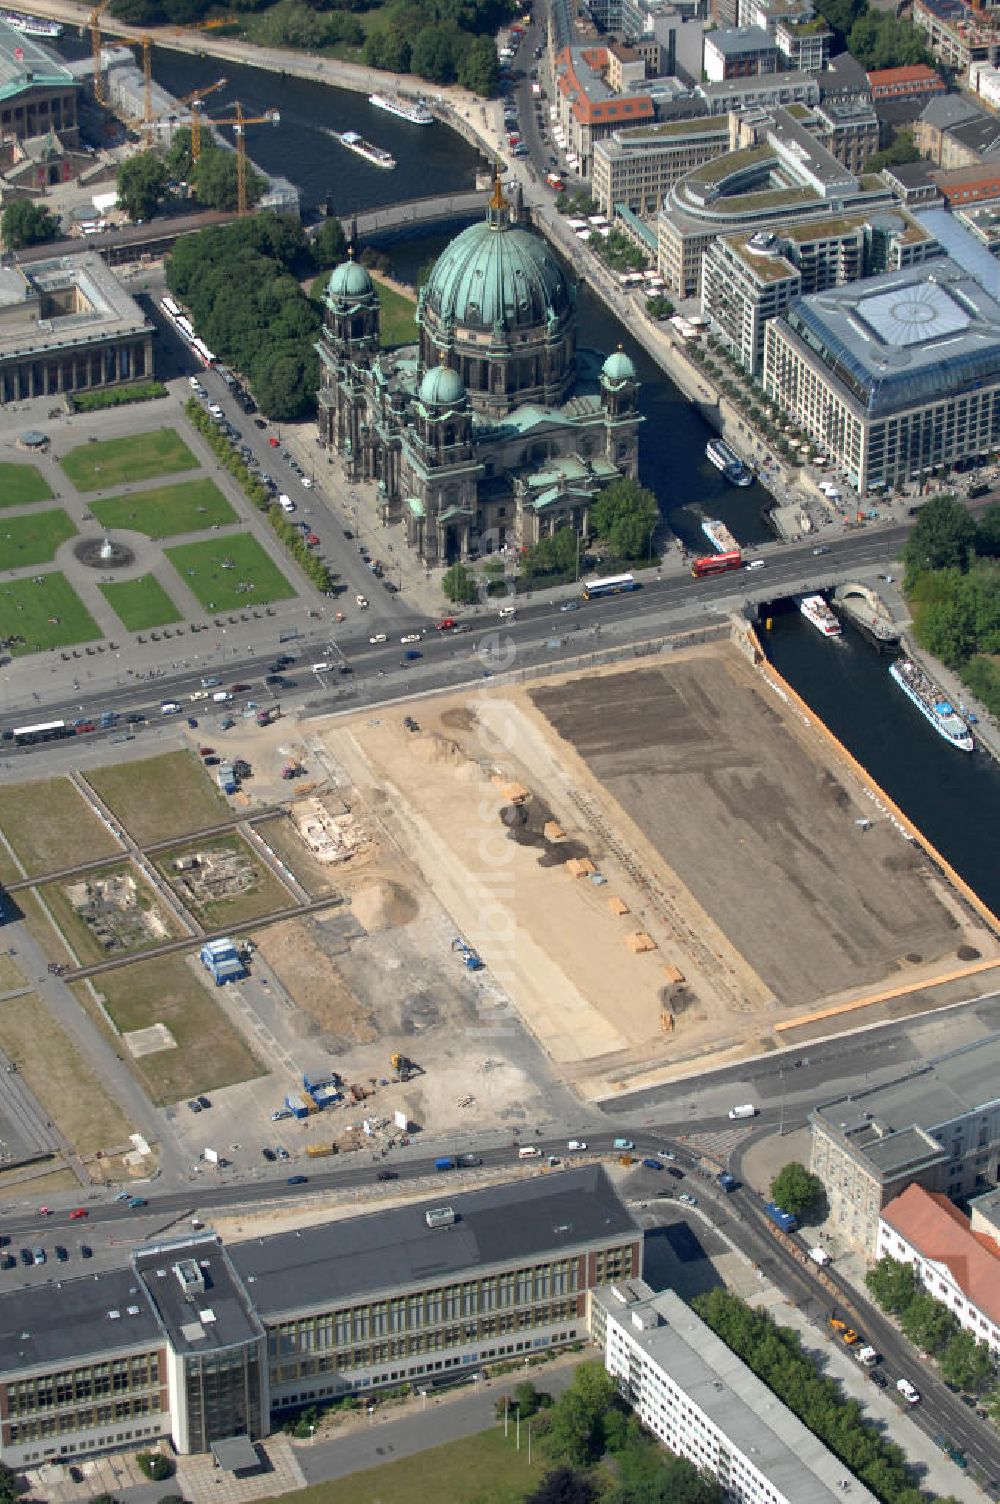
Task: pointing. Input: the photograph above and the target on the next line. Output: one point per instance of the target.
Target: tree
(479, 69)
(967, 1364)
(435, 52)
(329, 245)
(570, 1431)
(942, 537)
(389, 48)
(902, 149)
(528, 1399)
(27, 223)
(142, 182)
(564, 1485)
(675, 1481)
(458, 585)
(154, 1465)
(894, 1285)
(178, 160)
(214, 178)
(927, 1323)
(626, 514)
(797, 1190)
(988, 532)
(556, 554)
(10, 1484)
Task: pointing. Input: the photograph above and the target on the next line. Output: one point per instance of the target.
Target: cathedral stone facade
(494, 429)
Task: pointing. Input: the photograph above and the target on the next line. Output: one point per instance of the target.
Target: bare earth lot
(731, 886)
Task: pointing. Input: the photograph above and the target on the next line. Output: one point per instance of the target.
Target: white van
(819, 1256)
(322, 668)
(755, 563)
(221, 696)
(748, 1110)
(528, 1151)
(507, 613)
(286, 503)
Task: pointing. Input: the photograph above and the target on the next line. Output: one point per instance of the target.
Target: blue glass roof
(904, 338)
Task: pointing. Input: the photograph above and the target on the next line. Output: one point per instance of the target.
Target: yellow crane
(100, 94)
(194, 100)
(147, 89)
(239, 122)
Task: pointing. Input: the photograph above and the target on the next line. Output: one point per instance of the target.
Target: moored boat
(728, 461)
(412, 110)
(932, 703)
(816, 611)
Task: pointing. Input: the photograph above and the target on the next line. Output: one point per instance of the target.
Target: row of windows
(86, 1418)
(72, 1386)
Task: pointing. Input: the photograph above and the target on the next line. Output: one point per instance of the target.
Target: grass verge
(262, 896)
(228, 574)
(161, 797)
(60, 1077)
(166, 511)
(139, 456)
(20, 484)
(209, 1054)
(85, 941)
(140, 604)
(481, 1469)
(44, 612)
(51, 826)
(33, 537)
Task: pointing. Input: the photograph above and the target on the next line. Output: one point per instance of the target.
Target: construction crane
(100, 93)
(239, 122)
(147, 89)
(193, 100)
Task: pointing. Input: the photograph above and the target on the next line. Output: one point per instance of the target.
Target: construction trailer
(222, 961)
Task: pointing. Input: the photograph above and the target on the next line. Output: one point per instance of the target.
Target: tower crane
(100, 93)
(147, 89)
(239, 122)
(194, 100)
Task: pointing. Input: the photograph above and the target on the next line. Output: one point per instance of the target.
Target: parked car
(204, 1102)
(194, 1106)
(687, 1198)
(909, 1392)
(61, 1253)
(298, 1180)
(86, 1252)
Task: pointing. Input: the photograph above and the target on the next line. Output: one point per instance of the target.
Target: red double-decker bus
(717, 563)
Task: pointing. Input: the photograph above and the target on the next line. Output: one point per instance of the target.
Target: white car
(307, 482)
(909, 1393)
(361, 601)
(687, 1198)
(378, 637)
(410, 637)
(577, 1144)
(199, 694)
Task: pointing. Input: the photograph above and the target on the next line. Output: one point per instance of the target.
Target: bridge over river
(418, 211)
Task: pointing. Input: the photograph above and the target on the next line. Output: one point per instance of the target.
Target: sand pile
(382, 904)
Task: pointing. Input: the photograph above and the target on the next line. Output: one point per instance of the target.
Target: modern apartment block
(68, 325)
(938, 1125)
(201, 1343)
(958, 33)
(802, 38)
(739, 52)
(703, 1402)
(636, 167)
(768, 92)
(955, 1264)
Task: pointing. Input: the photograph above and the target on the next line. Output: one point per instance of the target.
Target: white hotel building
(705, 1404)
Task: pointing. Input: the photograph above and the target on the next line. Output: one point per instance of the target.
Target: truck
(227, 778)
(623, 1143)
(444, 1163)
(317, 1151)
(779, 1217)
(867, 1355)
(263, 717)
(555, 182)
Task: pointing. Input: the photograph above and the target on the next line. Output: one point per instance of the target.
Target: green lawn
(46, 614)
(20, 484)
(396, 318)
(483, 1469)
(229, 573)
(165, 511)
(140, 456)
(141, 603)
(33, 537)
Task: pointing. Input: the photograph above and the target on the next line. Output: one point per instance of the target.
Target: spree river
(953, 797)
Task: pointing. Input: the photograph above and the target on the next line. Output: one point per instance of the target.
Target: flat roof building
(739, 52)
(635, 168)
(762, 93)
(68, 325)
(938, 1125)
(705, 1404)
(202, 1343)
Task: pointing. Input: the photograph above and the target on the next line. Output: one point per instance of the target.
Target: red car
(446, 625)
(83, 726)
(312, 540)
(78, 1214)
(238, 689)
(272, 441)
(205, 751)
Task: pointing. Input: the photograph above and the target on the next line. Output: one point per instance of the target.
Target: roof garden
(765, 268)
(699, 125)
(732, 163)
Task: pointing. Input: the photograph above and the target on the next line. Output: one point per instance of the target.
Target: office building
(589, 105)
(38, 94)
(203, 1344)
(937, 1125)
(984, 224)
(804, 45)
(742, 95)
(68, 325)
(955, 1264)
(636, 167)
(915, 81)
(984, 81)
(739, 52)
(849, 130)
(703, 1402)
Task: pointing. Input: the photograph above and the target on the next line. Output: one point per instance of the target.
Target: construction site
(118, 913)
(663, 864)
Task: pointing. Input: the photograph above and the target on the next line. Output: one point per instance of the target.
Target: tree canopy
(26, 223)
(142, 182)
(458, 585)
(943, 536)
(626, 515)
(795, 1189)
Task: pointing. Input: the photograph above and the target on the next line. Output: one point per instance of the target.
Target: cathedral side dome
(618, 368)
(442, 387)
(349, 280)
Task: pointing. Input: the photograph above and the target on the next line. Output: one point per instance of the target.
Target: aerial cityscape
(500, 752)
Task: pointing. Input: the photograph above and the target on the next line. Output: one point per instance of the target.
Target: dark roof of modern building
(913, 174)
(980, 136)
(69, 1319)
(732, 41)
(200, 1316)
(339, 1261)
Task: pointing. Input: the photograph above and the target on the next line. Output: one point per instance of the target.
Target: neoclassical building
(494, 429)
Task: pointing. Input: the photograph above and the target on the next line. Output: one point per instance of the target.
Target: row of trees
(143, 181)
(25, 222)
(590, 1422)
(241, 282)
(965, 1363)
(953, 582)
(775, 1355)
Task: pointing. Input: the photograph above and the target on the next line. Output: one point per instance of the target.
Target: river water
(953, 797)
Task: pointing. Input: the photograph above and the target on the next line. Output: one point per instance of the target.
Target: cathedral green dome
(497, 274)
(442, 387)
(618, 368)
(349, 280)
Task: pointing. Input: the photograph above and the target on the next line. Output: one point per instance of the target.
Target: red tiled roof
(913, 74)
(939, 1231)
(618, 109)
